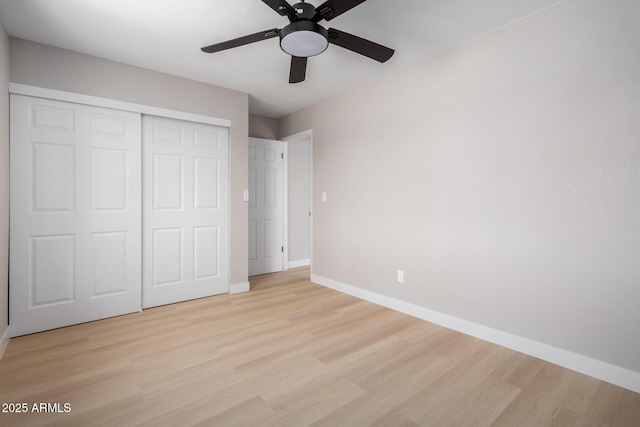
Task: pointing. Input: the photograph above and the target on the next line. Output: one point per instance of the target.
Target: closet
(112, 211)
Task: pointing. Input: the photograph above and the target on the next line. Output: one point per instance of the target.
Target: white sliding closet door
(75, 214)
(186, 220)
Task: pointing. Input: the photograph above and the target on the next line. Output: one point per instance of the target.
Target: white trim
(299, 263)
(299, 135)
(77, 98)
(4, 341)
(576, 362)
(237, 288)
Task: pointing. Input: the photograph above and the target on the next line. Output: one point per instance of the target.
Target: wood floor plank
(540, 400)
(281, 380)
(438, 400)
(518, 370)
(252, 412)
(292, 353)
(393, 419)
(385, 396)
(312, 402)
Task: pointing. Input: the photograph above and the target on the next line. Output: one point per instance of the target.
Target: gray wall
(4, 180)
(45, 66)
(263, 127)
(503, 177)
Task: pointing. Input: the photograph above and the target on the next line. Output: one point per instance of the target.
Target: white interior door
(186, 220)
(266, 206)
(75, 214)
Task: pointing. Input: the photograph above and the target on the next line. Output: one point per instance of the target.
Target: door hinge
(282, 156)
(282, 249)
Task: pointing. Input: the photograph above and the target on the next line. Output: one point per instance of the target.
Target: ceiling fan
(304, 37)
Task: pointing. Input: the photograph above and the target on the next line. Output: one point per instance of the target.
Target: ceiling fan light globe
(303, 39)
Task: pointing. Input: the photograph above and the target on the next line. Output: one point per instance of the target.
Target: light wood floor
(291, 353)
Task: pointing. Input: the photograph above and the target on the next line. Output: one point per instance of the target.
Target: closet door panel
(186, 219)
(75, 245)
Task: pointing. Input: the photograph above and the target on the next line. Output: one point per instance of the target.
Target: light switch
(246, 195)
(324, 196)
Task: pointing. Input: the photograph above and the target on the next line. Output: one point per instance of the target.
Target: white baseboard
(236, 288)
(576, 362)
(4, 341)
(299, 263)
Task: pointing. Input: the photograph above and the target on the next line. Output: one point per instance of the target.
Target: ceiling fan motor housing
(304, 10)
(304, 38)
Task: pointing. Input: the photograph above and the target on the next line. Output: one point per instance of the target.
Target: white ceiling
(166, 35)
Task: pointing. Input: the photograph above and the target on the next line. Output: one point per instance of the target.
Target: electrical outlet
(400, 276)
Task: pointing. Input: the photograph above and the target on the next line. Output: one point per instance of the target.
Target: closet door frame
(77, 98)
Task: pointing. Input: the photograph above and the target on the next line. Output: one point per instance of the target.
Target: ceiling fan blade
(298, 69)
(282, 7)
(359, 45)
(241, 41)
(333, 8)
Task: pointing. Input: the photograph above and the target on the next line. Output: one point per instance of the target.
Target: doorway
(280, 231)
(298, 190)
